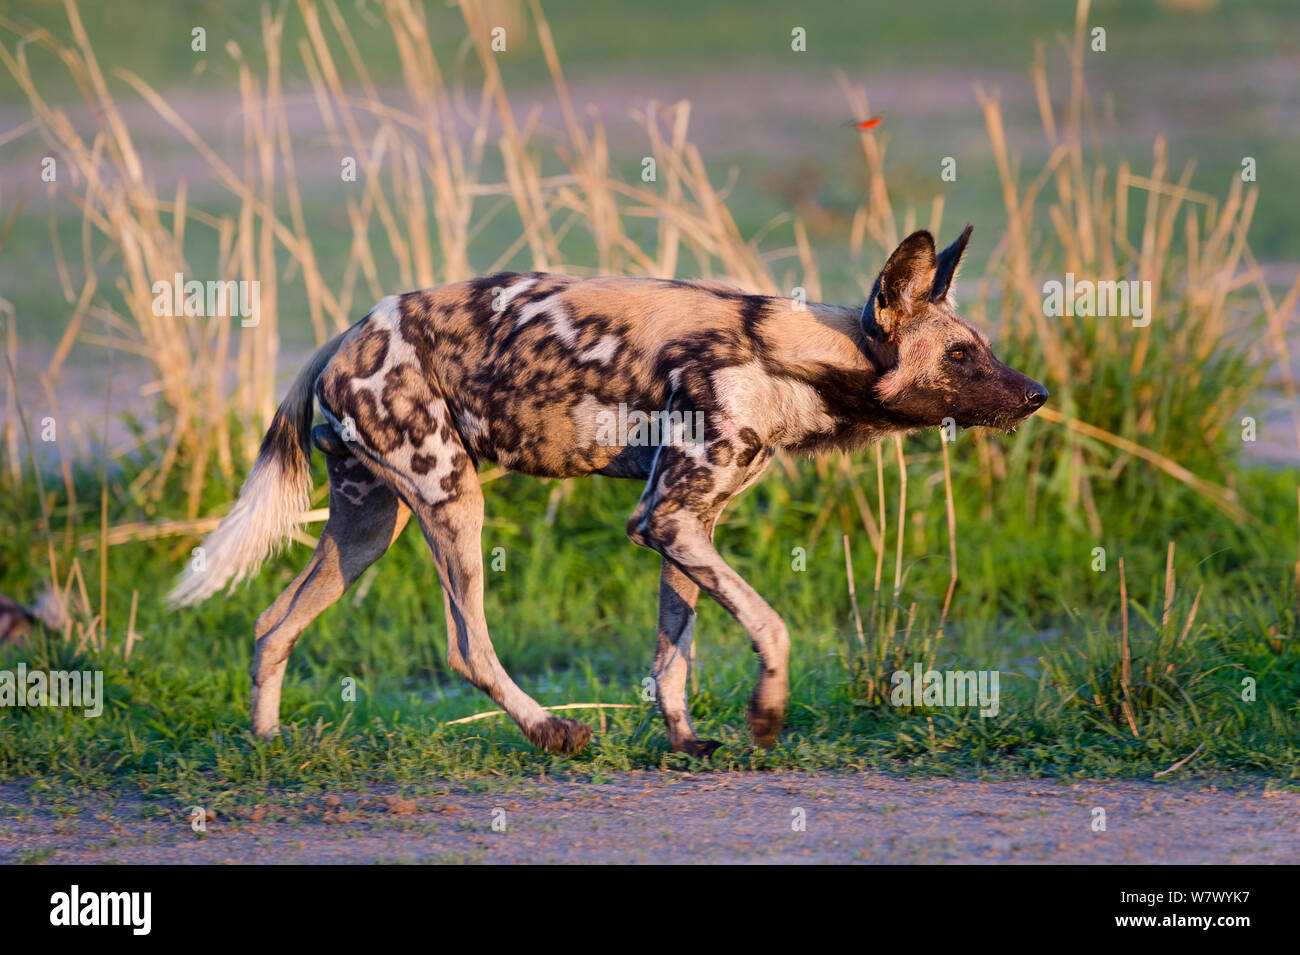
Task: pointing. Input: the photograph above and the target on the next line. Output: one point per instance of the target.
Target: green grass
(573, 612)
(573, 617)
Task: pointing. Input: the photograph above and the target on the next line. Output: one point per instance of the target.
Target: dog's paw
(699, 748)
(559, 735)
(268, 734)
(765, 724)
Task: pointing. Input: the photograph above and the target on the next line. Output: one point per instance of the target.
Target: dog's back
(531, 364)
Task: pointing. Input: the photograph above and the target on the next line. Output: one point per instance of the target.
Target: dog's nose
(1035, 395)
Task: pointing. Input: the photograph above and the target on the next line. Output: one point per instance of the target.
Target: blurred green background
(573, 614)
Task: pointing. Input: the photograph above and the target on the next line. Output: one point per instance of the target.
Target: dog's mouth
(1011, 416)
(1007, 421)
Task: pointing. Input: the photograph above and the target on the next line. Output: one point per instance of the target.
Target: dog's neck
(824, 348)
(816, 335)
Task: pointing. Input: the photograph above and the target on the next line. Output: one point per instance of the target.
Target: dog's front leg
(682, 499)
(677, 597)
(687, 545)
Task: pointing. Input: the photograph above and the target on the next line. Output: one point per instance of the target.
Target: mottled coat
(542, 374)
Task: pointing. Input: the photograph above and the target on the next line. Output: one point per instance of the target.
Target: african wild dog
(520, 369)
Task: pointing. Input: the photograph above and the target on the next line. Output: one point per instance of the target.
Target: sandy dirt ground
(649, 817)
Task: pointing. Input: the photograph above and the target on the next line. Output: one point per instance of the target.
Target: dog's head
(935, 366)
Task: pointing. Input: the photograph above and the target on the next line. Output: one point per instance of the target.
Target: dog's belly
(562, 436)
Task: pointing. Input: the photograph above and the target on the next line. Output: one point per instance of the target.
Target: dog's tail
(276, 492)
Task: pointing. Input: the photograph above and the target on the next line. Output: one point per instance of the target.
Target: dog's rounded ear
(903, 285)
(946, 268)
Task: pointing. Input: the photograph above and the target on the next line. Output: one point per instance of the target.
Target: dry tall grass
(1166, 394)
(422, 179)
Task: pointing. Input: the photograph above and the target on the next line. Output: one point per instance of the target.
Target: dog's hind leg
(365, 518)
(398, 420)
(454, 530)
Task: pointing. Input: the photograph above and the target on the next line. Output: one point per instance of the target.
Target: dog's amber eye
(957, 354)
